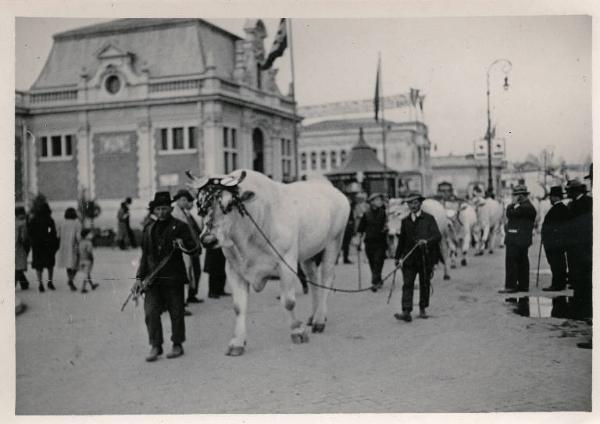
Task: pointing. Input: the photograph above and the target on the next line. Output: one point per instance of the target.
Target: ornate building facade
(124, 108)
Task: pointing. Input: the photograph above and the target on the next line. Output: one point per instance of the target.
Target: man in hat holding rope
(579, 250)
(162, 263)
(372, 227)
(519, 228)
(553, 239)
(418, 229)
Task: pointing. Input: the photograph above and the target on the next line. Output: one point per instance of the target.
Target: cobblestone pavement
(77, 354)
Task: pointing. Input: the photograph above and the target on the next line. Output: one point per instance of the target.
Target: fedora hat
(520, 189)
(556, 191)
(375, 196)
(183, 193)
(576, 185)
(162, 198)
(413, 195)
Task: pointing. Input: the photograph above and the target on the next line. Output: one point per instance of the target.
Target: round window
(112, 84)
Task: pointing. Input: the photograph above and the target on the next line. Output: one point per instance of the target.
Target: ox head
(220, 201)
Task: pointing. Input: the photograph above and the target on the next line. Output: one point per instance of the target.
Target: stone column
(245, 139)
(84, 155)
(146, 160)
(213, 138)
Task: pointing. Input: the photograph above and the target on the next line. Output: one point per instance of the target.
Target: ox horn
(197, 183)
(233, 181)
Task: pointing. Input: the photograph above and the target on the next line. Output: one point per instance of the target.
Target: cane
(537, 276)
(358, 260)
(393, 286)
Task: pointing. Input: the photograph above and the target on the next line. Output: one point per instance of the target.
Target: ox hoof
(463, 262)
(309, 322)
(318, 327)
(235, 351)
(446, 277)
(453, 266)
(491, 252)
(299, 338)
(478, 253)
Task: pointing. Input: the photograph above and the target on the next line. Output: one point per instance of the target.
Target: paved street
(77, 354)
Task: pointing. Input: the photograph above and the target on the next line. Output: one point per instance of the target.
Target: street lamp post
(506, 67)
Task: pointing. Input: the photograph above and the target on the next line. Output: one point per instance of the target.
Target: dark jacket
(519, 225)
(44, 241)
(372, 224)
(553, 227)
(423, 228)
(156, 246)
(580, 227)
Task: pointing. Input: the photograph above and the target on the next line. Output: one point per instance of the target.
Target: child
(86, 258)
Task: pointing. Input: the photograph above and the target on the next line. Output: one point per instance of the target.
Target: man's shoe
(585, 345)
(84, 290)
(41, 288)
(423, 314)
(213, 296)
(508, 291)
(187, 313)
(523, 290)
(51, 286)
(175, 352)
(224, 294)
(155, 352)
(348, 262)
(403, 317)
(194, 299)
(72, 286)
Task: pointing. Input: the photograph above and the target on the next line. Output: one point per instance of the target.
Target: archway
(258, 145)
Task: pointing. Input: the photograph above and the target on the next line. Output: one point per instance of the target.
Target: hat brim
(411, 198)
(188, 196)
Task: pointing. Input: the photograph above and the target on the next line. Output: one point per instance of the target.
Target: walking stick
(358, 260)
(537, 276)
(393, 286)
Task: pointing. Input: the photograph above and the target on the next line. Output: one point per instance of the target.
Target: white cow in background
(304, 221)
(463, 222)
(489, 222)
(398, 210)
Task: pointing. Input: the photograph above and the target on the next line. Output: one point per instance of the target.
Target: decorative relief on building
(114, 143)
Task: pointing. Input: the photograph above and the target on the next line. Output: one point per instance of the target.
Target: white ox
(489, 222)
(305, 222)
(463, 224)
(400, 211)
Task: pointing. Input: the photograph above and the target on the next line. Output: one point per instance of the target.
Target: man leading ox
(303, 221)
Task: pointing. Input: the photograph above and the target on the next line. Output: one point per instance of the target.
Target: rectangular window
(56, 145)
(230, 153)
(225, 137)
(44, 147)
(68, 145)
(303, 161)
(313, 160)
(178, 139)
(192, 137)
(233, 139)
(164, 141)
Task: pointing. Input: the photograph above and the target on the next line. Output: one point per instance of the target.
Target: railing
(159, 87)
(55, 96)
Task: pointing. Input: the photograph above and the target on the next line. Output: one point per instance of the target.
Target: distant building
(124, 108)
(324, 145)
(464, 172)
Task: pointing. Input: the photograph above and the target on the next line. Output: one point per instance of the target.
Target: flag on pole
(376, 99)
(278, 47)
(414, 96)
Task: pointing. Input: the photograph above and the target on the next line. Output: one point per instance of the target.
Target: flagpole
(382, 100)
(297, 177)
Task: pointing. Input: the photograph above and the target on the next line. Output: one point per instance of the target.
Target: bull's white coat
(463, 224)
(489, 221)
(302, 220)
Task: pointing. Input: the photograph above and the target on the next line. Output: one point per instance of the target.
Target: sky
(548, 103)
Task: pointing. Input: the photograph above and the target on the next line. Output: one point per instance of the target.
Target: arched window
(333, 159)
(323, 159)
(343, 156)
(303, 161)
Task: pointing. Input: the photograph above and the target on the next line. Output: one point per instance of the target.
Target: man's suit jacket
(519, 226)
(423, 228)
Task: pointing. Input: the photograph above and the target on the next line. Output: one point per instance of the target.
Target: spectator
(21, 247)
(183, 205)
(520, 217)
(44, 244)
(86, 258)
(124, 230)
(214, 265)
(553, 239)
(349, 233)
(372, 227)
(69, 234)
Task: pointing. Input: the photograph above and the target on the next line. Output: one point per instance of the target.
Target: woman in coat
(44, 243)
(69, 234)
(21, 247)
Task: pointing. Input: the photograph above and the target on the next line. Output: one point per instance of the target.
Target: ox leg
(444, 252)
(239, 288)
(288, 300)
(492, 240)
(465, 248)
(453, 253)
(310, 269)
(327, 276)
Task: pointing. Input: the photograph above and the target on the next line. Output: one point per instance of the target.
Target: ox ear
(247, 196)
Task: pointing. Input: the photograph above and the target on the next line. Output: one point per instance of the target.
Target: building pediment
(110, 52)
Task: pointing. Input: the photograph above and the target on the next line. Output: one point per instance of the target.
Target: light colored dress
(69, 233)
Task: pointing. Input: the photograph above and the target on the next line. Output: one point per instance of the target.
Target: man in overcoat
(418, 229)
(579, 250)
(124, 230)
(553, 239)
(372, 228)
(520, 217)
(162, 261)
